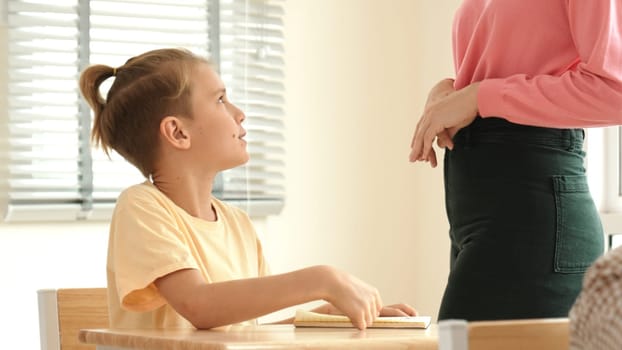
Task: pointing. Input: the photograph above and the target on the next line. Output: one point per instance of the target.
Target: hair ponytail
(90, 82)
(145, 89)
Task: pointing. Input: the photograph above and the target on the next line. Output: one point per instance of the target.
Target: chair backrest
(532, 334)
(63, 312)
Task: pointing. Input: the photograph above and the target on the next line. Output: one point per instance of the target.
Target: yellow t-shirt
(150, 236)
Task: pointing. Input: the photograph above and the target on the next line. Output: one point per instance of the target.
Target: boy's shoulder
(143, 189)
(147, 195)
(225, 207)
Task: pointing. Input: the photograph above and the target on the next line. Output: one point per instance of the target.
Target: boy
(178, 257)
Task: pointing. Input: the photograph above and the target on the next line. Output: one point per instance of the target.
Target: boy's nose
(238, 113)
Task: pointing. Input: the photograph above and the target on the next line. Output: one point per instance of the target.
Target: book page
(313, 319)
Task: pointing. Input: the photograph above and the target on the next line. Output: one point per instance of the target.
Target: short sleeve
(263, 267)
(146, 243)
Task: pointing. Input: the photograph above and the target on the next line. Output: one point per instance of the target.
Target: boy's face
(216, 130)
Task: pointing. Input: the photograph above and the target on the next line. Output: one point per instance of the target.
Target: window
(51, 172)
(604, 169)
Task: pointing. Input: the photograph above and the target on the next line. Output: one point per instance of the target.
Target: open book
(312, 319)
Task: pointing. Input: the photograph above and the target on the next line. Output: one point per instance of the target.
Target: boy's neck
(192, 195)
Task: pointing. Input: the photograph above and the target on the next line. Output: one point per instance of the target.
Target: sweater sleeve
(589, 94)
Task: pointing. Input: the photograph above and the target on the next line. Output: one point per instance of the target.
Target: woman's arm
(209, 305)
(587, 95)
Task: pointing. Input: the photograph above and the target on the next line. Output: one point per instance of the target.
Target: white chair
(63, 312)
(529, 334)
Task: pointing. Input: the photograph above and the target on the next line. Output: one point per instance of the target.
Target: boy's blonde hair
(146, 88)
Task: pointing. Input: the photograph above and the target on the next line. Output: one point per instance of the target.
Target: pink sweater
(552, 63)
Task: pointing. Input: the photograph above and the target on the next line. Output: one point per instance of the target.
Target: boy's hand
(398, 310)
(355, 298)
(328, 309)
(389, 310)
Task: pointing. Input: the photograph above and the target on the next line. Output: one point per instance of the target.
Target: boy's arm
(209, 305)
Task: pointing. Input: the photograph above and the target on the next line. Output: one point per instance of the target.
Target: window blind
(251, 66)
(51, 172)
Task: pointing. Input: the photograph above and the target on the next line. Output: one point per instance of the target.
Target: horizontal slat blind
(251, 54)
(45, 172)
(43, 124)
(122, 29)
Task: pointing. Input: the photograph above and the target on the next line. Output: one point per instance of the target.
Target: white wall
(44, 256)
(357, 75)
(3, 12)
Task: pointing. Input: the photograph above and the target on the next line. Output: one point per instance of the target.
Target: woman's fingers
(447, 115)
(428, 141)
(415, 144)
(444, 139)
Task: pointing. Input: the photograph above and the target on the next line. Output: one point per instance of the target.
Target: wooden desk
(265, 337)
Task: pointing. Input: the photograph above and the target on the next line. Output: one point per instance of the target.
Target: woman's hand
(440, 91)
(445, 113)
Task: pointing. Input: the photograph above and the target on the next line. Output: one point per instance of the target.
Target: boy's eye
(221, 99)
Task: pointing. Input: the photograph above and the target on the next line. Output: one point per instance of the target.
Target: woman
(529, 75)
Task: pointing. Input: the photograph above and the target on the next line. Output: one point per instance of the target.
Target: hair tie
(114, 71)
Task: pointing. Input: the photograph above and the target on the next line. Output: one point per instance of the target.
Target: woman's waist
(498, 130)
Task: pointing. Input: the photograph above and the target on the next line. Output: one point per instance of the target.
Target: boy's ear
(174, 132)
